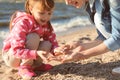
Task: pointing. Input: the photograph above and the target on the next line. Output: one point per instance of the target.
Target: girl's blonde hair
(44, 5)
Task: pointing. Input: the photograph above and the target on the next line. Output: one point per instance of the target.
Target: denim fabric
(107, 21)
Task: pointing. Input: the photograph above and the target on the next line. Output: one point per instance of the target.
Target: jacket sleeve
(113, 43)
(18, 39)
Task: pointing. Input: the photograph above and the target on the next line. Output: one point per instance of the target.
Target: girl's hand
(44, 56)
(64, 49)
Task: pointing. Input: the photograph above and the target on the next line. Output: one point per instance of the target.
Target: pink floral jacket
(24, 24)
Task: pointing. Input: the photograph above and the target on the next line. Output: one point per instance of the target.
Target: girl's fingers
(43, 57)
(57, 54)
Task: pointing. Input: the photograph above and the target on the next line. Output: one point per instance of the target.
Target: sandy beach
(94, 68)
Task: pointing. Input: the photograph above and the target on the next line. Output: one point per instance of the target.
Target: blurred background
(66, 19)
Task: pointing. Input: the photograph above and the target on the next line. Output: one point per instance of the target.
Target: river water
(65, 18)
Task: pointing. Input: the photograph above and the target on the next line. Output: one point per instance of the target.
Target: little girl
(31, 39)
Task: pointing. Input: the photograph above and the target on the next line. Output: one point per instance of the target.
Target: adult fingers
(67, 58)
(66, 1)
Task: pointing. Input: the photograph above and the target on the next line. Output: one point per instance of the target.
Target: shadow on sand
(94, 69)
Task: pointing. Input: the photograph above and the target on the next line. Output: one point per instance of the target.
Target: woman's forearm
(90, 44)
(94, 51)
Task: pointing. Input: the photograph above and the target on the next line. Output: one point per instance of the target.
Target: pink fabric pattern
(23, 25)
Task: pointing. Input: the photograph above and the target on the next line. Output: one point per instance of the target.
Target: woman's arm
(90, 49)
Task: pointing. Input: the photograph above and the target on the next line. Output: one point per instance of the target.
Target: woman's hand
(75, 55)
(76, 3)
(65, 50)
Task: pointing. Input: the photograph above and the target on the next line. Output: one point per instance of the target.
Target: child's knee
(45, 45)
(32, 41)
